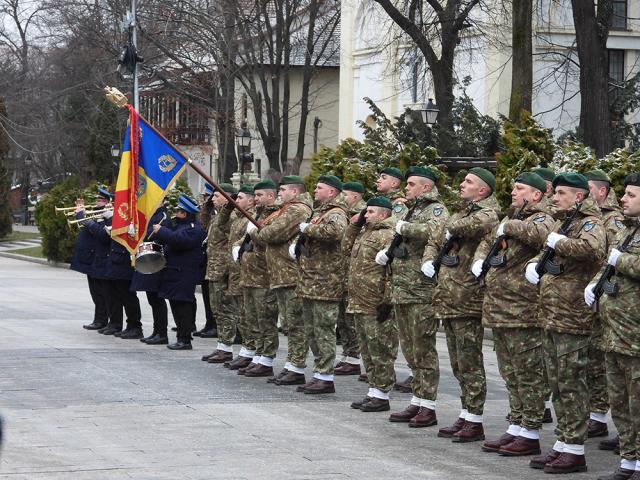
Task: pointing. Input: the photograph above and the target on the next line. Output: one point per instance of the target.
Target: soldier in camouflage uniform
(218, 273)
(260, 304)
(621, 338)
(411, 295)
(566, 320)
(349, 364)
(367, 302)
(457, 299)
(508, 299)
(277, 233)
(600, 190)
(207, 212)
(320, 282)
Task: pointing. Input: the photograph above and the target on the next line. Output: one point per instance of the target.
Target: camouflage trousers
(521, 365)
(566, 360)
(320, 317)
(227, 318)
(347, 331)
(379, 347)
(464, 343)
(623, 378)
(418, 327)
(290, 308)
(597, 377)
(261, 310)
(248, 330)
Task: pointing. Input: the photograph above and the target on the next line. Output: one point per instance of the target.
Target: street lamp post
(429, 113)
(243, 143)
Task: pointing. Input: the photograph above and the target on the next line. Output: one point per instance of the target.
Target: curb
(41, 261)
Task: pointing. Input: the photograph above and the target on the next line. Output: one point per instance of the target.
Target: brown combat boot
(243, 370)
(470, 432)
(566, 463)
(521, 447)
(376, 405)
(259, 371)
(207, 357)
(320, 387)
(541, 460)
(238, 362)
(357, 405)
(220, 357)
(597, 429)
(609, 444)
(347, 369)
(619, 474)
(448, 432)
(635, 476)
(494, 445)
(405, 415)
(291, 378)
(308, 384)
(424, 418)
(280, 374)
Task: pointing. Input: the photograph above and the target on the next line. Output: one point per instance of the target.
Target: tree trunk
(522, 59)
(592, 30)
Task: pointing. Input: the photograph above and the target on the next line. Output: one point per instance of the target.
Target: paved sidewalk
(83, 406)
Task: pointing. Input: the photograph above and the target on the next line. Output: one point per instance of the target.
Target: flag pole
(120, 100)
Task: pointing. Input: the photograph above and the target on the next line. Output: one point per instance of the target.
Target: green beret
(353, 187)
(246, 188)
(533, 180)
(380, 201)
(485, 175)
(331, 180)
(597, 176)
(632, 179)
(228, 188)
(546, 173)
(394, 172)
(425, 172)
(571, 179)
(292, 180)
(265, 185)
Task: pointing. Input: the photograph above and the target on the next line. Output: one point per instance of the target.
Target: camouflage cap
(632, 179)
(291, 180)
(228, 188)
(265, 185)
(597, 176)
(379, 201)
(571, 179)
(546, 173)
(425, 172)
(331, 180)
(533, 180)
(246, 189)
(485, 175)
(394, 172)
(353, 187)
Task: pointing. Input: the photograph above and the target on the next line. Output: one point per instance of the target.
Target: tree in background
(522, 59)
(6, 219)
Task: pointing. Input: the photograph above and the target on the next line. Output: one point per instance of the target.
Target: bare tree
(522, 58)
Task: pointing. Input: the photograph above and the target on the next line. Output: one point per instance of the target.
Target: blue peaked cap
(105, 193)
(188, 204)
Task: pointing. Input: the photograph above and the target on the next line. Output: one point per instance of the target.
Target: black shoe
(111, 330)
(179, 345)
(144, 340)
(118, 333)
(609, 444)
(132, 334)
(211, 333)
(101, 330)
(158, 340)
(94, 326)
(376, 405)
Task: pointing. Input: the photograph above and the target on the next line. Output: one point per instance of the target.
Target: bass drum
(150, 258)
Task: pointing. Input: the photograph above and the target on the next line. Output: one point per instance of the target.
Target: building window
(616, 72)
(619, 15)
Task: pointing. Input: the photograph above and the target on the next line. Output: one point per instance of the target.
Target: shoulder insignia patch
(588, 226)
(619, 224)
(540, 218)
(437, 211)
(334, 217)
(398, 207)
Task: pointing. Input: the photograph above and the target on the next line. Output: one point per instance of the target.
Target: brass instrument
(93, 215)
(72, 209)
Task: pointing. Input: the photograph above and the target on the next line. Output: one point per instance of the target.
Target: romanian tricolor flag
(148, 169)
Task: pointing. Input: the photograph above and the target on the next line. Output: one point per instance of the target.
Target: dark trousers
(184, 314)
(211, 320)
(159, 310)
(97, 290)
(119, 297)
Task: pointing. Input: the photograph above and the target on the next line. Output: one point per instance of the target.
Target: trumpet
(88, 211)
(72, 209)
(95, 214)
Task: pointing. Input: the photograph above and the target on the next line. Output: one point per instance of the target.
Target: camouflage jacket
(366, 280)
(398, 201)
(458, 293)
(206, 215)
(321, 274)
(509, 298)
(621, 314)
(253, 266)
(408, 283)
(277, 234)
(236, 234)
(217, 243)
(612, 218)
(561, 306)
(357, 208)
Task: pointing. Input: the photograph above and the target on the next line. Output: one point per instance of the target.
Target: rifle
(245, 246)
(443, 257)
(493, 259)
(546, 263)
(604, 284)
(301, 247)
(395, 250)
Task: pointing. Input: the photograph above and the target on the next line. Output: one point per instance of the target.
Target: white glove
(589, 296)
(292, 250)
(399, 225)
(381, 258)
(476, 268)
(613, 257)
(251, 227)
(304, 226)
(235, 253)
(531, 274)
(500, 231)
(108, 213)
(428, 269)
(554, 238)
(447, 235)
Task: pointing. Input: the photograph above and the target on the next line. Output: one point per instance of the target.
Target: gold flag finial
(115, 96)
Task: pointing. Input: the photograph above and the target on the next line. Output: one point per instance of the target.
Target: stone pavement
(78, 405)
